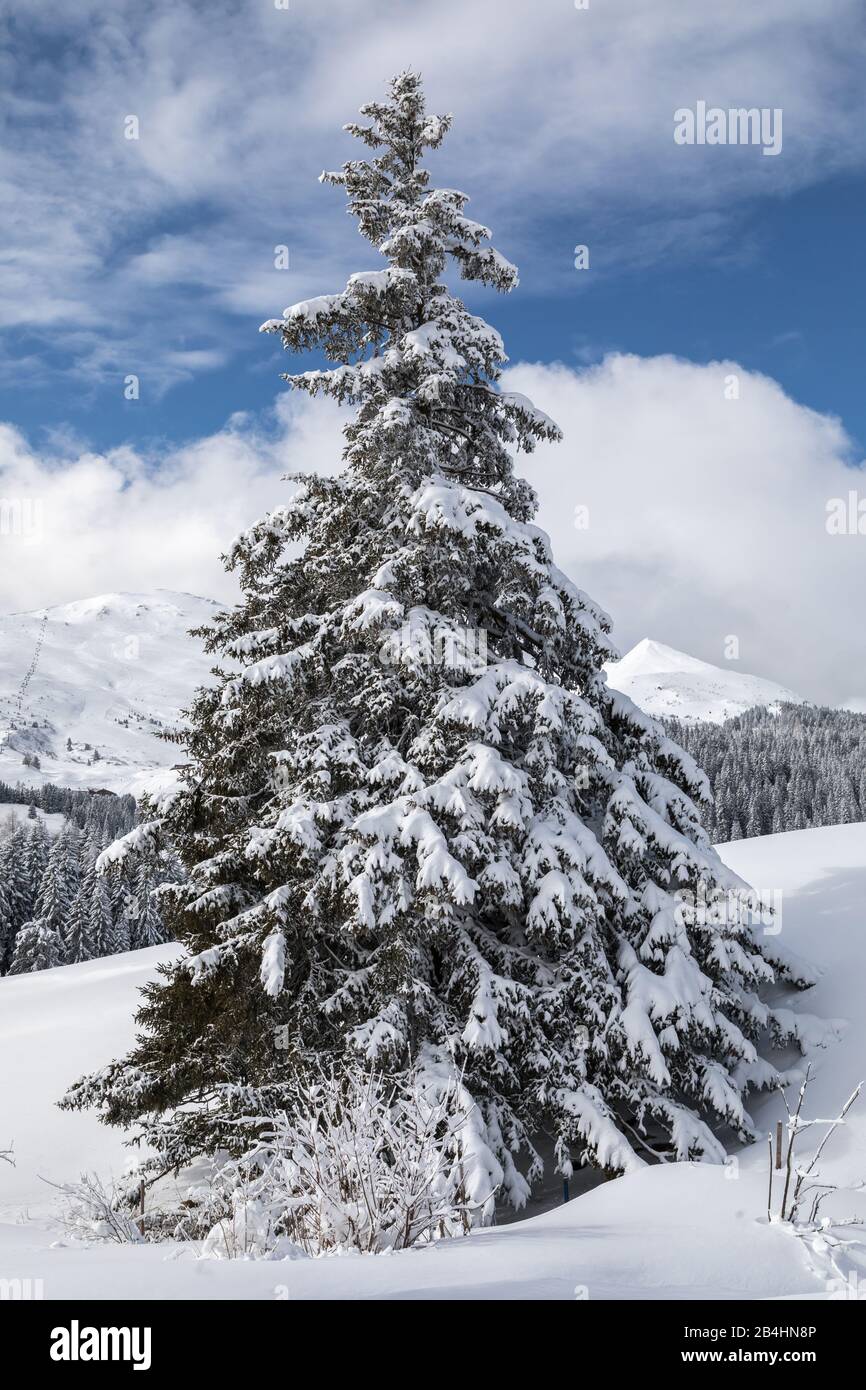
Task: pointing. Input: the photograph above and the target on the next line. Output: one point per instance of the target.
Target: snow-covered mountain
(663, 681)
(114, 671)
(111, 673)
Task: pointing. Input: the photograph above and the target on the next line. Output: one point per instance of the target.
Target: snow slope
(16, 813)
(112, 672)
(666, 1232)
(115, 670)
(663, 681)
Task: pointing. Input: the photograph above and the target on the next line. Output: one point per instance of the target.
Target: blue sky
(154, 256)
(785, 296)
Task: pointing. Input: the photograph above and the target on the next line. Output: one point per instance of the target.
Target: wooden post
(778, 1143)
(141, 1207)
(770, 1190)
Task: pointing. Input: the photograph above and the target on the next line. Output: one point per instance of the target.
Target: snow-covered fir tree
(77, 938)
(7, 931)
(146, 925)
(17, 889)
(59, 884)
(38, 847)
(121, 907)
(122, 924)
(101, 925)
(420, 829)
(37, 947)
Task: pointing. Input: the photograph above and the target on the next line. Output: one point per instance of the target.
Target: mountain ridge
(666, 682)
(87, 688)
(108, 674)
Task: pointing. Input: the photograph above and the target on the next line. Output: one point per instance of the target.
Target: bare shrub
(356, 1161)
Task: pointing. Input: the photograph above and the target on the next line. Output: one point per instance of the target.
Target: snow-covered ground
(666, 1232)
(15, 813)
(663, 681)
(111, 673)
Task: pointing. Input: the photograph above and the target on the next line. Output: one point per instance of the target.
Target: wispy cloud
(118, 252)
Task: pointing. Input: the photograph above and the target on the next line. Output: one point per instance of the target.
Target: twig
(834, 1124)
(792, 1134)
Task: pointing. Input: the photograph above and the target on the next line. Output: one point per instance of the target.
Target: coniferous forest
(799, 768)
(55, 907)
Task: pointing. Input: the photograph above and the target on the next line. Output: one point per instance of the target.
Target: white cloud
(707, 515)
(80, 523)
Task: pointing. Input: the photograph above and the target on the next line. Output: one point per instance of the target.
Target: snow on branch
(140, 840)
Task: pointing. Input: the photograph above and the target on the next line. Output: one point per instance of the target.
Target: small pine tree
(122, 931)
(59, 884)
(421, 831)
(80, 942)
(37, 947)
(122, 899)
(79, 946)
(35, 859)
(148, 928)
(101, 926)
(15, 876)
(7, 930)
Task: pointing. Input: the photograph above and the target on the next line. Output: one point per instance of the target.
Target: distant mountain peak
(649, 655)
(667, 682)
(122, 602)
